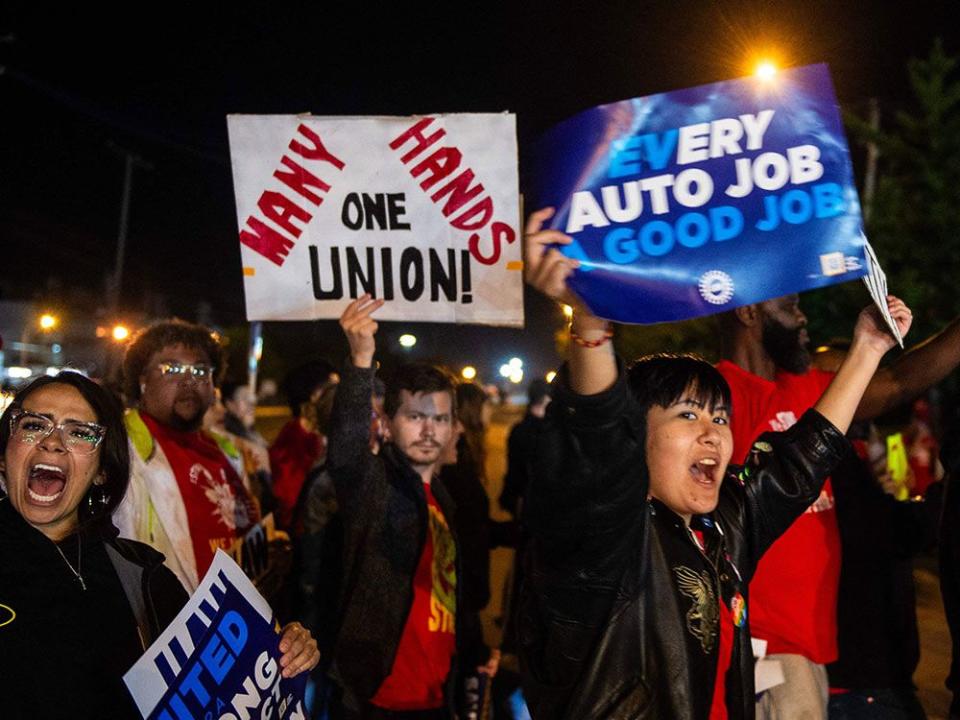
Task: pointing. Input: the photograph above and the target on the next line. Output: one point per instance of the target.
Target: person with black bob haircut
(644, 538)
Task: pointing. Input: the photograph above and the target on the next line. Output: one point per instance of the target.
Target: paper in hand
(876, 282)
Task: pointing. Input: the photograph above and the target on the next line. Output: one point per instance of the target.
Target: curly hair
(164, 334)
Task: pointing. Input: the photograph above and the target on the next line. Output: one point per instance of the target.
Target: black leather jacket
(619, 618)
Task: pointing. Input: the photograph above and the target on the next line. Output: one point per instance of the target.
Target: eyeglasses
(77, 437)
(177, 370)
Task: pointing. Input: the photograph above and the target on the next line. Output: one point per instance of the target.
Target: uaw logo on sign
(693, 202)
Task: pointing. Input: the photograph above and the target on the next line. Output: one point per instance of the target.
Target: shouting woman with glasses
(78, 604)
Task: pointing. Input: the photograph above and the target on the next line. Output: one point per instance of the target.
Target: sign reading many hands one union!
(693, 202)
(420, 211)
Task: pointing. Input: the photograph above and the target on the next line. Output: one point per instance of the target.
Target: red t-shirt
(718, 705)
(219, 508)
(793, 595)
(428, 642)
(293, 453)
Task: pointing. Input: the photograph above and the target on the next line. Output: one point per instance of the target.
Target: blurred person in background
(299, 445)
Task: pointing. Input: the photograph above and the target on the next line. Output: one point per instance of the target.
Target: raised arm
(349, 444)
(912, 373)
(593, 367)
(871, 340)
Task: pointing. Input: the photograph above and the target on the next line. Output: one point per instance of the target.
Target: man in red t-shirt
(794, 591)
(400, 617)
(187, 494)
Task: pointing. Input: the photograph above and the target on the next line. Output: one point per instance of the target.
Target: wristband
(607, 334)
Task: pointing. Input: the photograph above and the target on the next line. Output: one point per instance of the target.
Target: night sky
(158, 79)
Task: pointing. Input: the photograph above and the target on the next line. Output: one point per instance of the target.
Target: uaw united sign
(420, 211)
(693, 202)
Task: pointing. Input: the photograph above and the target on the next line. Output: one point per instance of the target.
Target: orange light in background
(48, 321)
(469, 372)
(120, 332)
(765, 70)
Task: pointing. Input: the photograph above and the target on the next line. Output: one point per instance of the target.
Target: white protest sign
(420, 211)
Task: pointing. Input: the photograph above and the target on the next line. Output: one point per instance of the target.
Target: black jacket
(64, 648)
(619, 615)
(385, 521)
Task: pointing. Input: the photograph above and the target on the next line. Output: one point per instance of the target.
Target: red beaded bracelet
(607, 334)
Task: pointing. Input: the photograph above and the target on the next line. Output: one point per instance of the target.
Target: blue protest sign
(219, 659)
(693, 202)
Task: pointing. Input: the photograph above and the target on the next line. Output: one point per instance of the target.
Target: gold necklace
(76, 572)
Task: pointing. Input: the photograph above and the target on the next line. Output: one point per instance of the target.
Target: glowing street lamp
(765, 70)
(407, 340)
(120, 332)
(551, 375)
(469, 372)
(515, 362)
(516, 375)
(48, 321)
(505, 370)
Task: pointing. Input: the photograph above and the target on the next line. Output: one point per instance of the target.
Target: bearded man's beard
(784, 347)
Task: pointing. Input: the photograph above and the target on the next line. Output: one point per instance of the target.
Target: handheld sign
(693, 202)
(420, 211)
(219, 658)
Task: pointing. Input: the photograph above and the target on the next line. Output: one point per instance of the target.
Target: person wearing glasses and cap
(188, 495)
(79, 605)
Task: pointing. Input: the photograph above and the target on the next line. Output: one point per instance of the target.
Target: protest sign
(693, 202)
(219, 658)
(420, 211)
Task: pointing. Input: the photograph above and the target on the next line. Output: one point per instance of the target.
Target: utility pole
(130, 160)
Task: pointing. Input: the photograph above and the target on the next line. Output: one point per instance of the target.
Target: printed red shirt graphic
(220, 510)
(793, 594)
(428, 642)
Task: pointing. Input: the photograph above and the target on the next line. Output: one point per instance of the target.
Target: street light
(469, 372)
(765, 70)
(551, 375)
(407, 340)
(120, 332)
(48, 321)
(516, 375)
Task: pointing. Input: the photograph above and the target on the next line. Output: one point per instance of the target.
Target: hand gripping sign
(420, 211)
(219, 658)
(693, 202)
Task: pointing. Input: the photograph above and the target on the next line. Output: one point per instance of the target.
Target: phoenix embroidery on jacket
(703, 617)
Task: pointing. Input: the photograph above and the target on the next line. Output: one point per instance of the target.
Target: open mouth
(706, 471)
(46, 483)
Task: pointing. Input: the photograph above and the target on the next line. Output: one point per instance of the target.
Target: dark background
(157, 79)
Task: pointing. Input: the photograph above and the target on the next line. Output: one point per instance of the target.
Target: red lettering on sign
(279, 208)
(317, 152)
(500, 231)
(282, 209)
(458, 193)
(440, 164)
(300, 180)
(415, 133)
(266, 241)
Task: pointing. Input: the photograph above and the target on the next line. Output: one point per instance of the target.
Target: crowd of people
(692, 540)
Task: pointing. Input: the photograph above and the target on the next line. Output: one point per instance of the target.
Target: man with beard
(402, 620)
(794, 591)
(187, 496)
